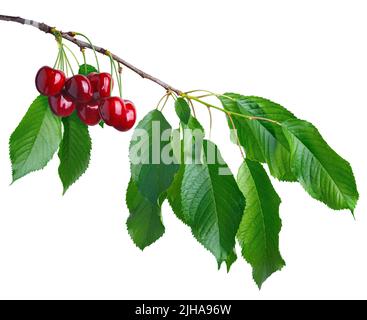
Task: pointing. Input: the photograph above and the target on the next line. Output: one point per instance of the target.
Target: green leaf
(231, 259)
(212, 204)
(86, 69)
(101, 124)
(263, 141)
(75, 151)
(194, 124)
(258, 234)
(175, 200)
(183, 110)
(145, 222)
(174, 191)
(35, 140)
(149, 168)
(174, 195)
(322, 172)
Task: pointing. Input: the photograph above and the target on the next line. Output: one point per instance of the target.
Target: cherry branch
(70, 36)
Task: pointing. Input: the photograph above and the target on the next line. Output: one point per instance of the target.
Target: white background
(310, 56)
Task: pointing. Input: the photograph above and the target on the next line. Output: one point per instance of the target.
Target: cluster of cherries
(89, 95)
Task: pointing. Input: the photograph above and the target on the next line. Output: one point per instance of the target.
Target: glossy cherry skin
(79, 88)
(118, 114)
(101, 85)
(50, 82)
(130, 117)
(89, 113)
(61, 105)
(110, 109)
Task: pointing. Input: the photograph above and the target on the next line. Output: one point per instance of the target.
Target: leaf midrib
(67, 134)
(262, 214)
(217, 214)
(35, 140)
(321, 165)
(260, 123)
(236, 103)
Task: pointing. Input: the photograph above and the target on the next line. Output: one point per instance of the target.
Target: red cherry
(50, 82)
(101, 84)
(110, 109)
(89, 113)
(130, 117)
(117, 114)
(61, 105)
(79, 88)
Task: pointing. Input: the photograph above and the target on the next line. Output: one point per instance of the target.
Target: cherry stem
(57, 59)
(168, 94)
(66, 70)
(61, 62)
(72, 53)
(111, 84)
(91, 45)
(161, 99)
(116, 73)
(174, 96)
(85, 61)
(68, 64)
(120, 77)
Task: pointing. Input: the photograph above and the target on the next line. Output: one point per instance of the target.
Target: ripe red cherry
(101, 85)
(118, 114)
(79, 88)
(89, 113)
(130, 117)
(50, 82)
(61, 105)
(110, 109)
